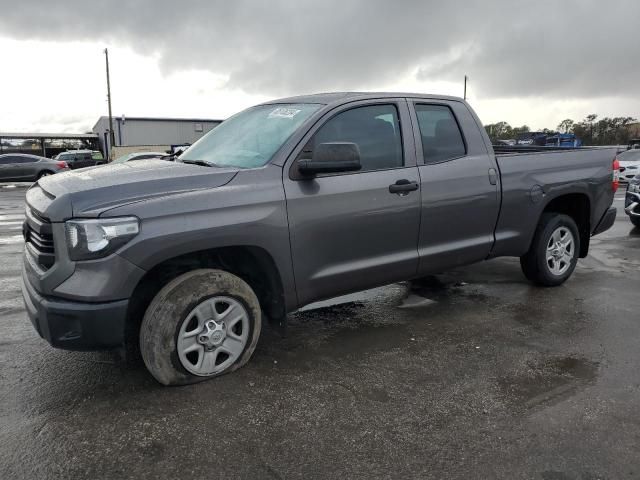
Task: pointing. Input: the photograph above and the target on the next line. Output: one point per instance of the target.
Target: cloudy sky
(528, 62)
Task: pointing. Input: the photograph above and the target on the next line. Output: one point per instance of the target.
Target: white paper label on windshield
(282, 112)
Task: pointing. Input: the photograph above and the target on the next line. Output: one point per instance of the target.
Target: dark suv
(632, 201)
(79, 158)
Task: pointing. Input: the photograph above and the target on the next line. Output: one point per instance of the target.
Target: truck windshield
(250, 138)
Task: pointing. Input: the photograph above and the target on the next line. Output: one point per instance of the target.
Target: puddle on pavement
(434, 289)
(347, 323)
(538, 315)
(380, 318)
(355, 300)
(549, 381)
(416, 301)
(417, 294)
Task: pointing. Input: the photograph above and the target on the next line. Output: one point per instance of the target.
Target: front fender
(248, 211)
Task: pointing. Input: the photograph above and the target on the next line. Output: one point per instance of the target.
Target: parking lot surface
(471, 374)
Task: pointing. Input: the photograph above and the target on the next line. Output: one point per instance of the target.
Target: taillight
(615, 177)
(62, 164)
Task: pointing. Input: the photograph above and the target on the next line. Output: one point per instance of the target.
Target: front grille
(39, 239)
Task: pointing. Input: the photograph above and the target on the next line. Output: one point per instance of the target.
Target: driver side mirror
(332, 157)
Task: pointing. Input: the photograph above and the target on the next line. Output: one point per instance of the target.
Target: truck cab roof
(346, 97)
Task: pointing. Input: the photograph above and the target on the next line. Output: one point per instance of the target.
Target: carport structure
(46, 144)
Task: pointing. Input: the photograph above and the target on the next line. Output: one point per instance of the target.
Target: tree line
(605, 131)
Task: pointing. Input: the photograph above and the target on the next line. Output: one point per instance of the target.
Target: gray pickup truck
(287, 203)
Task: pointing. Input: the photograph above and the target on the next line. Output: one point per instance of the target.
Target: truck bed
(533, 176)
(511, 149)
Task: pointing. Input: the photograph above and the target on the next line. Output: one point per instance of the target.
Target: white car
(629, 164)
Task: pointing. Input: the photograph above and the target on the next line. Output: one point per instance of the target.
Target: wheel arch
(45, 171)
(578, 207)
(251, 263)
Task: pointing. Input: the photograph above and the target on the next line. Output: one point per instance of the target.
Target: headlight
(87, 239)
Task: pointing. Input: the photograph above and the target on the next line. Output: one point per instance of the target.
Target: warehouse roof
(46, 135)
(158, 119)
(167, 119)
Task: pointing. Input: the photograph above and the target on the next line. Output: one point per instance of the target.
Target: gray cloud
(569, 49)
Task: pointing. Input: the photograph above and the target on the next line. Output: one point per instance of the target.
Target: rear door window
(440, 134)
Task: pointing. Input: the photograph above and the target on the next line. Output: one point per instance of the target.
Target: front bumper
(75, 325)
(632, 204)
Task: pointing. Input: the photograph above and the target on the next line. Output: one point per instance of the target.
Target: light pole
(465, 87)
(112, 137)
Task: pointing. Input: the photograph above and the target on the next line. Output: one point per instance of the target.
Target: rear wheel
(45, 173)
(553, 254)
(200, 325)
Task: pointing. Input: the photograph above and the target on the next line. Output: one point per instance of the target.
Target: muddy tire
(554, 251)
(202, 324)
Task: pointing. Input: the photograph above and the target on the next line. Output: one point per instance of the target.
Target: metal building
(155, 133)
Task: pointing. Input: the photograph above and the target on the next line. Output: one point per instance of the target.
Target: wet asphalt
(474, 374)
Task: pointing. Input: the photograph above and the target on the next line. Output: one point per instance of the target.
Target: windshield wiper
(206, 163)
(199, 162)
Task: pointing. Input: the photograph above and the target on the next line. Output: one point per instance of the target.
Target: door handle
(403, 186)
(493, 176)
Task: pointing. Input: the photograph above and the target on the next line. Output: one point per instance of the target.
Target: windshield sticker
(282, 112)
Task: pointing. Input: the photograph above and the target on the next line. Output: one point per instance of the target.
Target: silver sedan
(20, 167)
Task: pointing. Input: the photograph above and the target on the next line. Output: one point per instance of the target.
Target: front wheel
(635, 221)
(554, 251)
(200, 325)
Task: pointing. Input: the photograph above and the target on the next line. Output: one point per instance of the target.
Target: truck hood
(91, 191)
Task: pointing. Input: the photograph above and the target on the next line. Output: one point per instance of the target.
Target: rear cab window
(440, 133)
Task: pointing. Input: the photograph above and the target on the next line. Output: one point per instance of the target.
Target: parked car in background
(79, 158)
(20, 167)
(288, 203)
(564, 140)
(176, 150)
(532, 138)
(632, 200)
(629, 164)
(130, 157)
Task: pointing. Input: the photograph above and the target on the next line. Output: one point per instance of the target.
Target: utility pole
(112, 136)
(465, 87)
